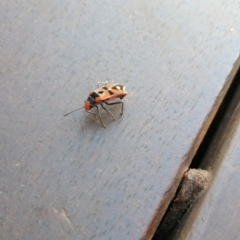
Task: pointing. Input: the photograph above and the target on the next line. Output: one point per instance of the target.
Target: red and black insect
(103, 95)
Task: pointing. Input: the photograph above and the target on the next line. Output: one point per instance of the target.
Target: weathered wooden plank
(217, 216)
(69, 178)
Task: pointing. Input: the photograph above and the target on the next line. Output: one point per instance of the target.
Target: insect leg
(116, 103)
(104, 83)
(108, 111)
(93, 114)
(99, 115)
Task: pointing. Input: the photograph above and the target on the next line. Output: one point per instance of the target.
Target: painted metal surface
(69, 178)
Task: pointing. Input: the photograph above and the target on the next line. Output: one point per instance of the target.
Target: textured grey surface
(69, 178)
(217, 216)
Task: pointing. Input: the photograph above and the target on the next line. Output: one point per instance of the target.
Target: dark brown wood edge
(170, 193)
(214, 157)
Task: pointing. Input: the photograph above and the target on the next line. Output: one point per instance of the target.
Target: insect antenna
(73, 111)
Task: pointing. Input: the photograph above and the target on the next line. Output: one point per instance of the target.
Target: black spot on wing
(110, 92)
(102, 90)
(94, 95)
(118, 87)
